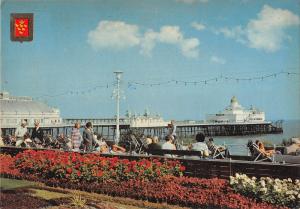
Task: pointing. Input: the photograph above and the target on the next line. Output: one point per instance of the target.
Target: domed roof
(25, 105)
(22, 106)
(233, 100)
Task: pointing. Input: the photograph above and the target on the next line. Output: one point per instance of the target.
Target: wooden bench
(177, 153)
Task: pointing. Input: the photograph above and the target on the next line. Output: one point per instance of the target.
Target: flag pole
(118, 77)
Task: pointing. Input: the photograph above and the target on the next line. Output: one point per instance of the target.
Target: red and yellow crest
(21, 27)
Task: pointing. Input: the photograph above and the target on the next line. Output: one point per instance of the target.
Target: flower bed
(75, 167)
(183, 191)
(280, 192)
(7, 167)
(150, 180)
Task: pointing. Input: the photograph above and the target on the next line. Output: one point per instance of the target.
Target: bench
(177, 153)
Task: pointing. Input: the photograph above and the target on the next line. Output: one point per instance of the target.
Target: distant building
(145, 120)
(235, 113)
(15, 109)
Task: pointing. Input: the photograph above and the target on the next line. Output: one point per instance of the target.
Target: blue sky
(77, 46)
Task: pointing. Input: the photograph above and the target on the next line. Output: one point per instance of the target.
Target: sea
(238, 144)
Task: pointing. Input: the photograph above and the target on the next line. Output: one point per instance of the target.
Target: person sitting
(61, 140)
(154, 144)
(27, 140)
(200, 145)
(147, 141)
(68, 142)
(1, 140)
(215, 149)
(117, 149)
(262, 149)
(101, 146)
(169, 145)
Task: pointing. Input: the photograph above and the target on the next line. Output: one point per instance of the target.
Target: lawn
(8, 184)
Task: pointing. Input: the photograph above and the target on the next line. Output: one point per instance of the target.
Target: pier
(106, 127)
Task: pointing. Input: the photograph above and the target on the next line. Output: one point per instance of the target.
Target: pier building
(14, 109)
(235, 113)
(145, 120)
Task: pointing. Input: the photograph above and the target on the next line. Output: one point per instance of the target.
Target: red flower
(182, 168)
(69, 170)
(78, 173)
(99, 173)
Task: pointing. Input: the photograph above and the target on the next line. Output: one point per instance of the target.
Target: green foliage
(77, 200)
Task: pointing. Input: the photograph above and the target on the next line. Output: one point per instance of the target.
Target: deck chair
(257, 153)
(217, 153)
(138, 144)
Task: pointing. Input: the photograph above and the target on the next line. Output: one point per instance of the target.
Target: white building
(146, 120)
(15, 109)
(235, 113)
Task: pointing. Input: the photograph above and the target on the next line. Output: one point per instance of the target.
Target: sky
(181, 59)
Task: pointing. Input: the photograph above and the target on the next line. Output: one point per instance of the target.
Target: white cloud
(114, 34)
(198, 26)
(170, 35)
(267, 31)
(189, 47)
(217, 60)
(148, 42)
(192, 1)
(236, 33)
(120, 35)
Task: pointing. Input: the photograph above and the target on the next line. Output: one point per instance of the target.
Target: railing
(105, 121)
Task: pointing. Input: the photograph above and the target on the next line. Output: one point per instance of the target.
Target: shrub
(280, 192)
(77, 200)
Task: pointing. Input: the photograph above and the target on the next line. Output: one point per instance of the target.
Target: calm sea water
(237, 144)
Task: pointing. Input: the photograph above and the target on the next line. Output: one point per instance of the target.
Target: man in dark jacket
(37, 133)
(88, 137)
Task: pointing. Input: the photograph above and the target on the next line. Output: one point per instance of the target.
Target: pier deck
(106, 127)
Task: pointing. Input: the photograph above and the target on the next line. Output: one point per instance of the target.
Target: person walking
(20, 132)
(88, 137)
(37, 133)
(76, 137)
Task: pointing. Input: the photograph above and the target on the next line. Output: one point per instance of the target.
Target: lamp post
(117, 96)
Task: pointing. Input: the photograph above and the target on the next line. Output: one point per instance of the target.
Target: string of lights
(76, 92)
(134, 84)
(214, 79)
